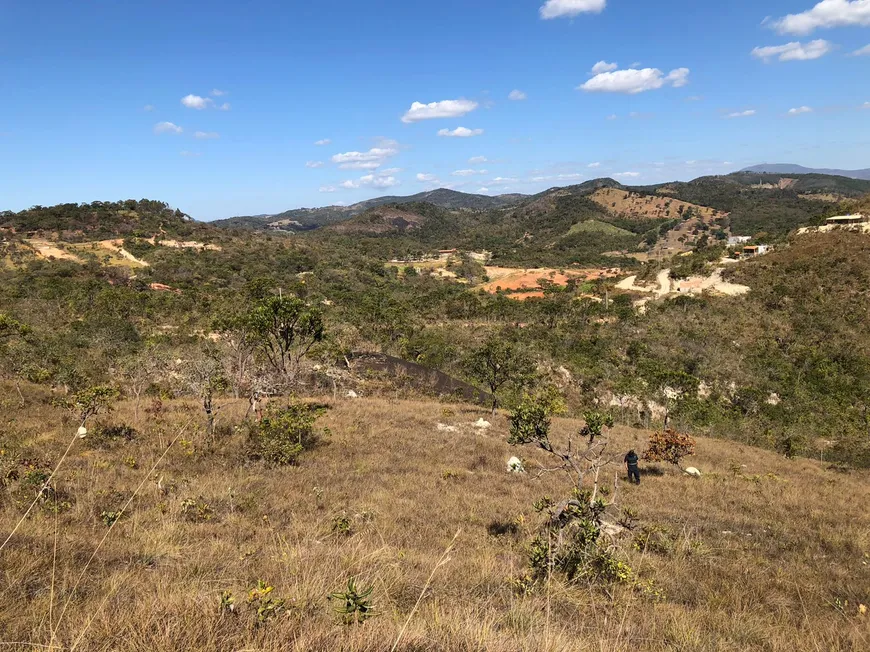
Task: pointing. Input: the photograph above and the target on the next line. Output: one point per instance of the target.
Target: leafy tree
(498, 363)
(284, 328)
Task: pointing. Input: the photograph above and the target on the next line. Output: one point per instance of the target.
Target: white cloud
(460, 132)
(478, 159)
(187, 154)
(389, 171)
(594, 165)
(370, 160)
(694, 98)
(483, 190)
(866, 105)
(612, 116)
(742, 114)
(826, 14)
(314, 164)
(517, 96)
(361, 165)
(503, 180)
(167, 128)
(469, 173)
(630, 175)
(321, 143)
(427, 178)
(800, 110)
(379, 181)
(570, 8)
(328, 188)
(148, 107)
(224, 107)
(218, 93)
(862, 52)
(434, 110)
(206, 135)
(603, 66)
(350, 184)
(196, 102)
(633, 81)
(794, 51)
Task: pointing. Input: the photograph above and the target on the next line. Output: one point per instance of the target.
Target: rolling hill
(305, 219)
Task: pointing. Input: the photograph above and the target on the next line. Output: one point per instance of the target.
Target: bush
(283, 434)
(669, 446)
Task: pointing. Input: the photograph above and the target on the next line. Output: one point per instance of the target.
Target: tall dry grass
(761, 554)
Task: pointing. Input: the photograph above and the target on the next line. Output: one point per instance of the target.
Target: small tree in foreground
(669, 446)
(571, 540)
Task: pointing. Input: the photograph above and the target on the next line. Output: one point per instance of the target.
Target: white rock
(352, 394)
(515, 465)
(482, 424)
(442, 427)
(83, 432)
(692, 471)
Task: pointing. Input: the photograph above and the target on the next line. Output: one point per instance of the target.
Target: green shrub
(283, 434)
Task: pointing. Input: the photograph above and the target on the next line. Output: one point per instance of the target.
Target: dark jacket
(631, 459)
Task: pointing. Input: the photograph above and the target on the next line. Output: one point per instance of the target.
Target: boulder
(692, 471)
(515, 465)
(482, 424)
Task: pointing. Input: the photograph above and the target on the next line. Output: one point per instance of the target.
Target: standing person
(631, 461)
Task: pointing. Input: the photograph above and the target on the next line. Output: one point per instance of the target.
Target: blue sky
(682, 88)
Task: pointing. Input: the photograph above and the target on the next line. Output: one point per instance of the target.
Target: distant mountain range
(790, 168)
(305, 219)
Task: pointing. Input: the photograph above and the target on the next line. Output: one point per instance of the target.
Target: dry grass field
(762, 553)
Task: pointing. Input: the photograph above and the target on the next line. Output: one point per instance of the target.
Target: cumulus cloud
(499, 181)
(224, 107)
(196, 102)
(742, 114)
(862, 52)
(603, 66)
(321, 143)
(371, 180)
(435, 110)
(167, 128)
(630, 175)
(469, 173)
(866, 105)
(314, 164)
(633, 81)
(517, 96)
(800, 110)
(370, 160)
(570, 8)
(328, 188)
(218, 93)
(206, 135)
(826, 14)
(478, 159)
(427, 178)
(483, 189)
(594, 165)
(460, 132)
(350, 184)
(794, 51)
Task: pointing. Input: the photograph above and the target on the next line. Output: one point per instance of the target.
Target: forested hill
(99, 220)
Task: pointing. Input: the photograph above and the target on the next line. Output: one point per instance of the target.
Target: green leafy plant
(283, 434)
(109, 518)
(196, 510)
(261, 598)
(341, 524)
(353, 603)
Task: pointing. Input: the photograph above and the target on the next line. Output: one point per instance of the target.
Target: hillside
(433, 523)
(99, 220)
(789, 168)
